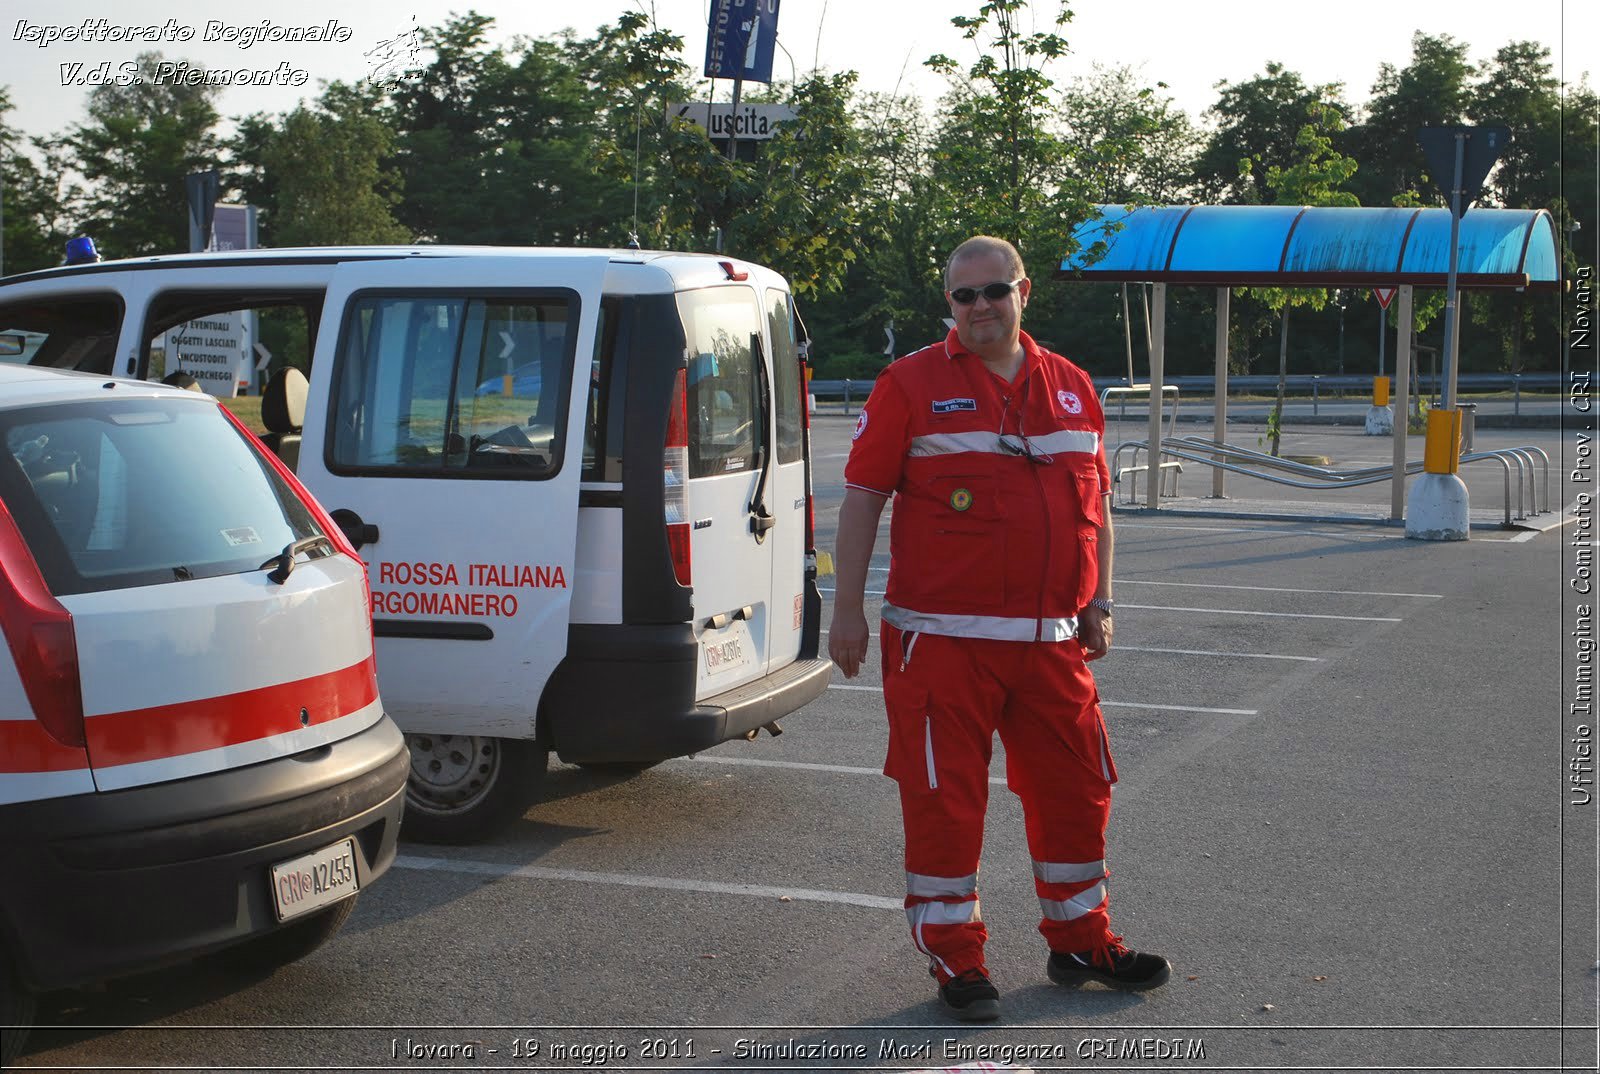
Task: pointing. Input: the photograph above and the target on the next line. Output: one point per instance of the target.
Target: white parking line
(1253, 529)
(845, 769)
(662, 883)
(1275, 615)
(1213, 652)
(1108, 704)
(1269, 589)
(1193, 652)
(1219, 611)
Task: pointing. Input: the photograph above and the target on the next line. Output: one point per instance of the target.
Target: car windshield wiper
(282, 564)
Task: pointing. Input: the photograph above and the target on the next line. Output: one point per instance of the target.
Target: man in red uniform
(999, 591)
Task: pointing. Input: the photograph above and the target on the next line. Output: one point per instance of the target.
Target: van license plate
(314, 880)
(727, 651)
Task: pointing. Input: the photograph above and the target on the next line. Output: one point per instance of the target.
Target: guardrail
(852, 391)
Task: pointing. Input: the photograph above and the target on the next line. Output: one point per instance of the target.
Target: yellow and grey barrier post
(1380, 417)
(1442, 452)
(1437, 508)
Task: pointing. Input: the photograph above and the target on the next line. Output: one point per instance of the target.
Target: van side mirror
(12, 344)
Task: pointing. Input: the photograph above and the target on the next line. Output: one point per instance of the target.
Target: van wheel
(16, 1009)
(288, 944)
(463, 788)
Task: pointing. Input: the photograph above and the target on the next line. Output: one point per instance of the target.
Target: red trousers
(946, 697)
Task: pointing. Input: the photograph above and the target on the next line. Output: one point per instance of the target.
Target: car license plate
(726, 651)
(314, 880)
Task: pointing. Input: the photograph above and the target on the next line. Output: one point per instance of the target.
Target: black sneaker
(971, 997)
(1113, 965)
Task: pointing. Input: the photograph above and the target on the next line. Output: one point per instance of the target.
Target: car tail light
(43, 645)
(675, 479)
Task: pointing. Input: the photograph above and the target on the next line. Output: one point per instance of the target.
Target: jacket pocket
(1090, 500)
(1088, 565)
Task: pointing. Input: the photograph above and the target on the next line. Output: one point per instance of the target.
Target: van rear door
(729, 396)
(444, 432)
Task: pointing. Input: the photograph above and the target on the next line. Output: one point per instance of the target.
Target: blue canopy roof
(1300, 246)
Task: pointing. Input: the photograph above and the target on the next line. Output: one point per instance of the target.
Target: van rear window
(723, 329)
(453, 385)
(117, 494)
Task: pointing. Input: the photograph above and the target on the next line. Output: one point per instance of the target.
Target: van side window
(63, 332)
(785, 377)
(445, 385)
(721, 325)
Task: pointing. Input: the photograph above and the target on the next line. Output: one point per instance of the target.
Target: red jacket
(986, 541)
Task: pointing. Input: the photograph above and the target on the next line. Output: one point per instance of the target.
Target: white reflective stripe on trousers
(934, 887)
(1071, 909)
(1060, 442)
(943, 913)
(993, 627)
(1069, 872)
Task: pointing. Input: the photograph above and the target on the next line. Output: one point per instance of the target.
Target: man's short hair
(979, 245)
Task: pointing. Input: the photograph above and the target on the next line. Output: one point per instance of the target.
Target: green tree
(141, 139)
(1260, 121)
(1129, 141)
(34, 197)
(1000, 161)
(332, 186)
(1317, 175)
(1432, 90)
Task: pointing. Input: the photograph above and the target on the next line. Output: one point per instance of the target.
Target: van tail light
(675, 479)
(324, 520)
(43, 645)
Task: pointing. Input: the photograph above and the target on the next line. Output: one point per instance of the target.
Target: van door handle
(359, 532)
(761, 521)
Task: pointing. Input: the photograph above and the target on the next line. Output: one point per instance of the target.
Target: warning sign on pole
(1384, 295)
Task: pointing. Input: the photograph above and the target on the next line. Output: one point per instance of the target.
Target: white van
(580, 480)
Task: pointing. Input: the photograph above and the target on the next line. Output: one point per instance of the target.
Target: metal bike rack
(1210, 453)
(1168, 469)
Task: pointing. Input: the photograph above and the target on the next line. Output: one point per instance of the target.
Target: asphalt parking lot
(1342, 815)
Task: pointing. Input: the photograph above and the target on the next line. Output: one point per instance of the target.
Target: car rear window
(120, 493)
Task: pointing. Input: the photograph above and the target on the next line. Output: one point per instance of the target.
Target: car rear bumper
(100, 885)
(626, 693)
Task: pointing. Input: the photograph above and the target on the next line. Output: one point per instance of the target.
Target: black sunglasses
(994, 292)
(1018, 445)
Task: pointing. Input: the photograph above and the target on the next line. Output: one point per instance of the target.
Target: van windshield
(116, 494)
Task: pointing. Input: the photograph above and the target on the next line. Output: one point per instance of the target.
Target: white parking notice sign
(215, 350)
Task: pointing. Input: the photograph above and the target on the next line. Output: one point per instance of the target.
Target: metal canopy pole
(1452, 327)
(1158, 354)
(1219, 432)
(1402, 404)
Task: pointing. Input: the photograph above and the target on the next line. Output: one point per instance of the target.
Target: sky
(1189, 45)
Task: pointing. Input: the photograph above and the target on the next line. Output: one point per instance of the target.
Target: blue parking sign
(741, 39)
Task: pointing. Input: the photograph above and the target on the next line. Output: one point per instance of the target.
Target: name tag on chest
(950, 406)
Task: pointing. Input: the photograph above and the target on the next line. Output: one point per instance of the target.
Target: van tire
(16, 1009)
(290, 943)
(464, 789)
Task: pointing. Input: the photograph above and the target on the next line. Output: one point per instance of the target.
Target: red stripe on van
(25, 746)
(150, 734)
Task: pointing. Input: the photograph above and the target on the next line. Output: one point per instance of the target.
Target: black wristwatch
(1105, 604)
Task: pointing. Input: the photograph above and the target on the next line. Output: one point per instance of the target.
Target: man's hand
(1094, 633)
(847, 641)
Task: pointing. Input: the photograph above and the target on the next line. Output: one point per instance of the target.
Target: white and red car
(193, 753)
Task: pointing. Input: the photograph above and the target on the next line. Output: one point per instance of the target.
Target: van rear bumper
(626, 693)
(102, 885)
